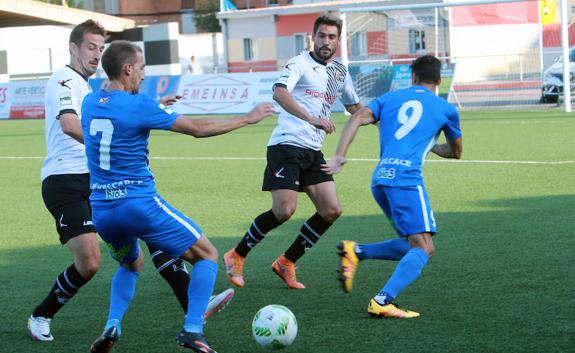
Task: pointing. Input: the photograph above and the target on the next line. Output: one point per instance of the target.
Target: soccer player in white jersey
(410, 121)
(66, 187)
(306, 90)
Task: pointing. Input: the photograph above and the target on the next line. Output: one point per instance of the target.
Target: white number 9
(408, 122)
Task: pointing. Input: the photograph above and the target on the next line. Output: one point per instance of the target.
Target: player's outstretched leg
(218, 302)
(349, 264)
(194, 341)
(235, 258)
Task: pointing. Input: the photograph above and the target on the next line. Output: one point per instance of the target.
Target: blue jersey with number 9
(410, 121)
(116, 126)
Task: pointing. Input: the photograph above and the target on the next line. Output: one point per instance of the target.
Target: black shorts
(67, 197)
(292, 168)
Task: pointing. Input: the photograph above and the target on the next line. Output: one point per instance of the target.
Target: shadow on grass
(488, 289)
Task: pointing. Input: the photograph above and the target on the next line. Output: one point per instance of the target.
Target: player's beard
(319, 55)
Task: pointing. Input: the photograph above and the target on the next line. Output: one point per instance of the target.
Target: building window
(299, 42)
(416, 41)
(359, 44)
(248, 49)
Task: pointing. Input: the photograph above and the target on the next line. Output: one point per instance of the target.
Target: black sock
(308, 235)
(257, 231)
(174, 271)
(66, 285)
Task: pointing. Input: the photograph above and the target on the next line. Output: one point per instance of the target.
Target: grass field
(501, 281)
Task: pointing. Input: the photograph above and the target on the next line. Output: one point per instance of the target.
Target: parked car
(552, 86)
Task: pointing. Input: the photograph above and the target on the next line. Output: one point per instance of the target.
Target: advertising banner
(154, 86)
(4, 102)
(224, 93)
(27, 99)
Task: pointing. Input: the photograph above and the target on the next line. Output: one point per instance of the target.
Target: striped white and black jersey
(65, 92)
(315, 87)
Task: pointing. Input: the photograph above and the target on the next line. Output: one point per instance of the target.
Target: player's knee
(88, 266)
(284, 213)
(331, 214)
(212, 254)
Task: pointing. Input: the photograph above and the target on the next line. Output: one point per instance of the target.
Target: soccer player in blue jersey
(116, 125)
(410, 122)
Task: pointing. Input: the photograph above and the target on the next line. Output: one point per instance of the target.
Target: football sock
(257, 231)
(393, 249)
(65, 287)
(408, 270)
(121, 293)
(174, 271)
(308, 235)
(383, 298)
(199, 292)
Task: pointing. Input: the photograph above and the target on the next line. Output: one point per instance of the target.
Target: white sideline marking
(474, 161)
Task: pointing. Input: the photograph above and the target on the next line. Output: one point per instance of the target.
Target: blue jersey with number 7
(410, 121)
(116, 126)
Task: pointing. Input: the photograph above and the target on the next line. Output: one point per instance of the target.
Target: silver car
(552, 86)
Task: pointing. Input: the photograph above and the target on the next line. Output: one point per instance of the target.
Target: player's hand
(260, 112)
(334, 166)
(170, 99)
(325, 124)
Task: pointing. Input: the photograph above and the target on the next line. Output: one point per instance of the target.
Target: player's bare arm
(363, 116)
(71, 126)
(215, 126)
(288, 103)
(353, 108)
(451, 149)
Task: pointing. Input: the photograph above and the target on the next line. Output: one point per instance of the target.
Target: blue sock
(393, 249)
(201, 287)
(408, 270)
(121, 295)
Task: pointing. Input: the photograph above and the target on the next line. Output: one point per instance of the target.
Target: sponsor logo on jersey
(395, 161)
(315, 68)
(63, 83)
(321, 95)
(104, 100)
(288, 66)
(114, 194)
(87, 223)
(65, 98)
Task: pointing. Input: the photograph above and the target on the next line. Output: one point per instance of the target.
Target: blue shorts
(120, 223)
(407, 208)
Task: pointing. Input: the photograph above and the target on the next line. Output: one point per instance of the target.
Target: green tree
(205, 15)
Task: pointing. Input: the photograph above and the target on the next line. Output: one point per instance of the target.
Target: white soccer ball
(274, 327)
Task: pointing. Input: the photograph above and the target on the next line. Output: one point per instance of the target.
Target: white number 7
(408, 122)
(107, 129)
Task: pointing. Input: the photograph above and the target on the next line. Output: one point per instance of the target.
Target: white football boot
(40, 328)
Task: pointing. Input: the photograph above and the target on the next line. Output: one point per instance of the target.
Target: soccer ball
(274, 327)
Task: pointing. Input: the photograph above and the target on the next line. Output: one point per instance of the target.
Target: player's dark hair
(427, 69)
(329, 20)
(88, 26)
(119, 52)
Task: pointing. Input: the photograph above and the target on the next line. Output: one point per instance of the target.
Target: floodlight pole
(566, 66)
